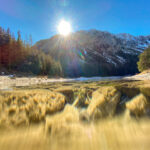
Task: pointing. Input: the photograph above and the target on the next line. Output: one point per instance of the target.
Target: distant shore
(7, 81)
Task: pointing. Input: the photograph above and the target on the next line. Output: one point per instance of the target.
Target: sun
(64, 28)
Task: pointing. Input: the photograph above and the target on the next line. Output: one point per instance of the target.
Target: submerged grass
(44, 121)
(109, 134)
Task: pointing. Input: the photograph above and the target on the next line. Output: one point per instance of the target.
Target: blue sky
(41, 17)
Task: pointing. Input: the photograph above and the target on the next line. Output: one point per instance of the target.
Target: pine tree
(19, 37)
(30, 40)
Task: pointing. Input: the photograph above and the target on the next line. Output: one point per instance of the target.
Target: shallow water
(7, 83)
(66, 131)
(117, 134)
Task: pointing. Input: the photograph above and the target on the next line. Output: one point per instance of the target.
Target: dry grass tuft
(27, 106)
(145, 71)
(104, 102)
(82, 97)
(139, 105)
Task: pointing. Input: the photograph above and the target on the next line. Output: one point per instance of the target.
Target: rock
(139, 106)
(104, 102)
(84, 116)
(67, 92)
(12, 76)
(145, 91)
(128, 91)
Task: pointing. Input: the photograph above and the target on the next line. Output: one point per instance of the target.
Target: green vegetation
(144, 60)
(18, 55)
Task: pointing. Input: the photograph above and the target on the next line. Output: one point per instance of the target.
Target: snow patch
(121, 60)
(109, 60)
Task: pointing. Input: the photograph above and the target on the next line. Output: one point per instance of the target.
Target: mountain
(95, 53)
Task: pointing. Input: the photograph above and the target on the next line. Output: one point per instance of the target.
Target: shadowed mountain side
(95, 53)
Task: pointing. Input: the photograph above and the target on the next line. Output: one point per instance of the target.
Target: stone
(68, 92)
(145, 91)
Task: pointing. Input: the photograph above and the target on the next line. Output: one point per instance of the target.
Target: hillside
(95, 53)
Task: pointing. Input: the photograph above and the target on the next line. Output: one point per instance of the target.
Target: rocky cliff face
(94, 53)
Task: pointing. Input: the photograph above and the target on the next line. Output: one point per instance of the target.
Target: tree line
(19, 55)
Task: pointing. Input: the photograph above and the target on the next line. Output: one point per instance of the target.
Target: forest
(20, 56)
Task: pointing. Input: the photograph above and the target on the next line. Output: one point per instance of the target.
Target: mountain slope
(94, 53)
